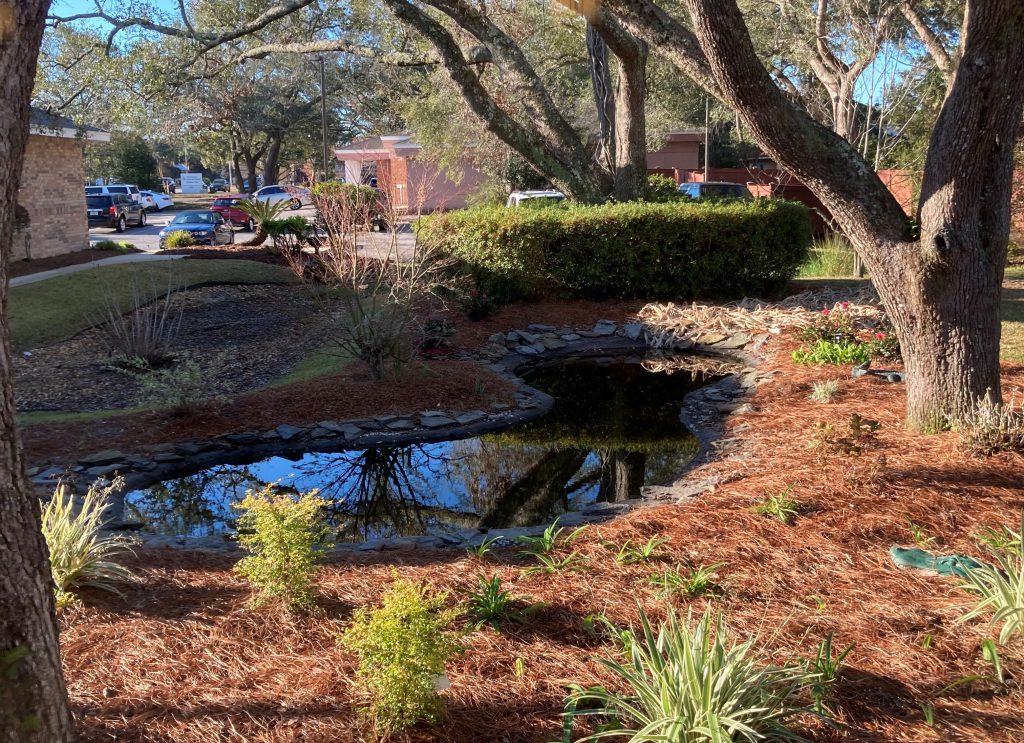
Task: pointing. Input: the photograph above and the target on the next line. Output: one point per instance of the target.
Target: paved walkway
(112, 261)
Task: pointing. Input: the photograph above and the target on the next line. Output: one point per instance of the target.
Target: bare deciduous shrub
(994, 427)
(148, 329)
(379, 296)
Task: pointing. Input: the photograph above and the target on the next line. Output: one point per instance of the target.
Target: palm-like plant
(80, 556)
(689, 683)
(261, 212)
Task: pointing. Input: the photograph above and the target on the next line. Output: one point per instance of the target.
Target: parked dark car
(228, 207)
(207, 228)
(715, 190)
(114, 210)
(217, 184)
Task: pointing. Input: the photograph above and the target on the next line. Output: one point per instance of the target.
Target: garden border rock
(704, 412)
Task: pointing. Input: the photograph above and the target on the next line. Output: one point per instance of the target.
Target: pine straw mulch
(182, 658)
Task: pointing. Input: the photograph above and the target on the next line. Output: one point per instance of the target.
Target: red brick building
(52, 194)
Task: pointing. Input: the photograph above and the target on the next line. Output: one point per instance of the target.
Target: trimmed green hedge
(724, 249)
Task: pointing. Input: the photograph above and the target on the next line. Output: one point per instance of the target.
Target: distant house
(415, 184)
(51, 219)
(412, 183)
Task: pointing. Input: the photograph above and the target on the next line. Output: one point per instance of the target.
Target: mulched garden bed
(182, 657)
(242, 337)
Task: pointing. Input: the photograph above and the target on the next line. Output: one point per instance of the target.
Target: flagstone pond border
(506, 354)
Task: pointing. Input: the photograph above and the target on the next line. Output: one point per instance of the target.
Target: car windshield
(97, 202)
(720, 190)
(194, 218)
(225, 202)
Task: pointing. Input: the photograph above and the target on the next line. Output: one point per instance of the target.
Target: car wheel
(251, 225)
(295, 204)
(122, 224)
(142, 218)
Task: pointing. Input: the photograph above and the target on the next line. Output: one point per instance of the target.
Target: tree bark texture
(941, 290)
(549, 143)
(33, 698)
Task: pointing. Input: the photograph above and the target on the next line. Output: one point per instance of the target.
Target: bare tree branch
(928, 37)
(398, 59)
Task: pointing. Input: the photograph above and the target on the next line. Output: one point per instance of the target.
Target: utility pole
(323, 114)
(707, 134)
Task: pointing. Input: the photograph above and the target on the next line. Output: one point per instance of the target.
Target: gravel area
(242, 337)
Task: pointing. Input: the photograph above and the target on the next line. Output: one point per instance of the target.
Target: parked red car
(227, 207)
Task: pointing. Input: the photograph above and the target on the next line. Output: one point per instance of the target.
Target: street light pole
(323, 113)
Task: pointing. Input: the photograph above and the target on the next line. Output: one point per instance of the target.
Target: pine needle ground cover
(183, 656)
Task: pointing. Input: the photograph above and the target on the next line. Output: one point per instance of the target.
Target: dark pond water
(614, 428)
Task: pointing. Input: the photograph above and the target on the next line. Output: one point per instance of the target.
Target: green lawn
(1012, 346)
(56, 309)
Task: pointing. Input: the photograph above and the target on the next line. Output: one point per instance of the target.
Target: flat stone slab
(436, 421)
(471, 416)
(108, 456)
(633, 330)
(287, 433)
(401, 424)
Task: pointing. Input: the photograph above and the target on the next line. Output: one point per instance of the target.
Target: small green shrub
(549, 539)
(179, 239)
(692, 582)
(885, 344)
(859, 434)
(284, 537)
(831, 324)
(635, 249)
(403, 647)
(484, 548)
(824, 391)
(661, 189)
(180, 388)
(118, 246)
(781, 506)
(999, 588)
(80, 556)
(631, 553)
(550, 564)
(837, 354)
(489, 604)
(288, 235)
(824, 670)
(690, 682)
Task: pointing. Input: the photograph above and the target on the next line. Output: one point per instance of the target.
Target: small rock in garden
(287, 433)
(108, 456)
(527, 350)
(538, 347)
(436, 421)
(739, 340)
(633, 330)
(103, 470)
(570, 337)
(497, 338)
(402, 424)
(168, 457)
(471, 416)
(333, 426)
(539, 328)
(712, 338)
(553, 344)
(431, 413)
(604, 327)
(188, 448)
(321, 433)
(247, 437)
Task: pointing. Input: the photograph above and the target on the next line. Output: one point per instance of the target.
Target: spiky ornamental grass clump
(403, 647)
(689, 682)
(999, 588)
(824, 391)
(284, 537)
(80, 556)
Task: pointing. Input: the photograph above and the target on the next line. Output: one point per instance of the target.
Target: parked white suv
(130, 190)
(516, 198)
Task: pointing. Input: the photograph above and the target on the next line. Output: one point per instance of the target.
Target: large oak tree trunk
(33, 699)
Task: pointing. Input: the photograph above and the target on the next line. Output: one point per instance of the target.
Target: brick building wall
(52, 192)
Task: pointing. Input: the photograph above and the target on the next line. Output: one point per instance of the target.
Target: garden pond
(615, 426)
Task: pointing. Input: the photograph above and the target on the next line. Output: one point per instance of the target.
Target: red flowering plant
(884, 344)
(834, 324)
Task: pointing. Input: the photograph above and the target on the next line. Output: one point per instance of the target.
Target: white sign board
(191, 182)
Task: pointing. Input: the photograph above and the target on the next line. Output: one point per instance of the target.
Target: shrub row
(636, 249)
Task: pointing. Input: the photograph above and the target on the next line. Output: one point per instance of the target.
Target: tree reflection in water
(614, 427)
